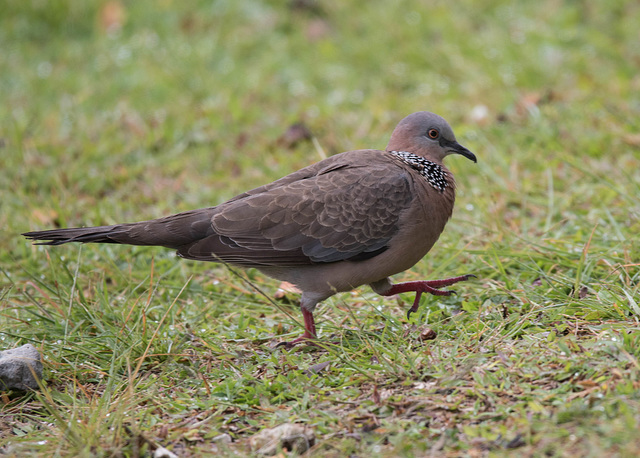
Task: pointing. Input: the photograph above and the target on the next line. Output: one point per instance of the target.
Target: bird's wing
(344, 212)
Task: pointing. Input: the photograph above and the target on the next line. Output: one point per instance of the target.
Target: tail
(99, 234)
(171, 231)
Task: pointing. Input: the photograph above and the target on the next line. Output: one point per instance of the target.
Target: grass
(126, 111)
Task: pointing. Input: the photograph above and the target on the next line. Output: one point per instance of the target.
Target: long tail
(172, 231)
(100, 234)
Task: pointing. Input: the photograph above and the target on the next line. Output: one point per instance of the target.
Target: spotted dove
(352, 219)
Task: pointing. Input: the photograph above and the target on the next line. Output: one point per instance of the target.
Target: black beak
(457, 148)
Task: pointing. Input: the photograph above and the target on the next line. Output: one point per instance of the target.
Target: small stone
(20, 368)
(223, 438)
(479, 114)
(291, 436)
(427, 334)
(162, 452)
(584, 292)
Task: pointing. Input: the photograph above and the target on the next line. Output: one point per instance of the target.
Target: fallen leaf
(294, 135)
(316, 368)
(287, 287)
(46, 217)
(112, 16)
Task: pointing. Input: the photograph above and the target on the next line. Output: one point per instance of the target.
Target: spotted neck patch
(432, 172)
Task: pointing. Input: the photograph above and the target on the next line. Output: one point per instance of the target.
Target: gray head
(427, 135)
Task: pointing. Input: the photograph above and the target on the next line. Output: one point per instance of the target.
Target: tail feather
(171, 231)
(99, 234)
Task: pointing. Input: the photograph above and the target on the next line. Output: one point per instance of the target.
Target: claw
(289, 344)
(307, 341)
(416, 304)
(430, 287)
(286, 345)
(309, 332)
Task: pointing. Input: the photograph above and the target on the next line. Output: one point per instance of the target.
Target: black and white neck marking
(430, 170)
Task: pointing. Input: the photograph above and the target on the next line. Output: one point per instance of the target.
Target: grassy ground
(125, 111)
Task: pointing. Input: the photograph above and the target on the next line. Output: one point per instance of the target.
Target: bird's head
(427, 135)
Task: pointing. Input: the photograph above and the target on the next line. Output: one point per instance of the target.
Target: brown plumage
(352, 219)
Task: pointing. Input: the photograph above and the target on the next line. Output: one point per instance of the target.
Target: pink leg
(309, 330)
(425, 286)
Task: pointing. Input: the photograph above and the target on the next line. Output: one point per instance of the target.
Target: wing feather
(339, 213)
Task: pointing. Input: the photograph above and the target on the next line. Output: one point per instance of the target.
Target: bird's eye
(433, 133)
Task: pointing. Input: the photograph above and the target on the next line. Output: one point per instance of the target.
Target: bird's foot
(425, 286)
(308, 342)
(303, 339)
(309, 335)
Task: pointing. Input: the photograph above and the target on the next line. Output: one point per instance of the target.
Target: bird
(352, 219)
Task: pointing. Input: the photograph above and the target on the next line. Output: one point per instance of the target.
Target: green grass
(182, 107)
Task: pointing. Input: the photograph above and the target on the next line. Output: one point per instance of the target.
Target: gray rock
(290, 436)
(162, 452)
(222, 438)
(20, 368)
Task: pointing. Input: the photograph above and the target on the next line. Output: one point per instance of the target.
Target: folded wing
(343, 213)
